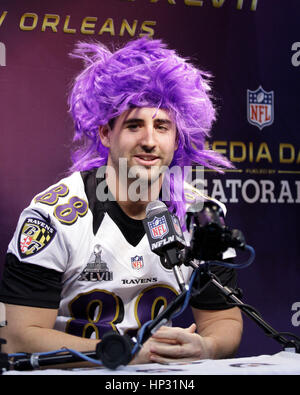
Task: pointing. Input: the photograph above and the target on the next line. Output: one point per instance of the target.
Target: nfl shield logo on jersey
(137, 262)
(158, 227)
(260, 107)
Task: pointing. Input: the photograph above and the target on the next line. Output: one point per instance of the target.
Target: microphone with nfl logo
(164, 233)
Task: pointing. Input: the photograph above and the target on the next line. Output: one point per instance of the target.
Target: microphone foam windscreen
(155, 207)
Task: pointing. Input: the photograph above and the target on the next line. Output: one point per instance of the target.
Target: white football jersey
(108, 283)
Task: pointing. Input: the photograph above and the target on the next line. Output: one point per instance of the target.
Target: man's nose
(148, 141)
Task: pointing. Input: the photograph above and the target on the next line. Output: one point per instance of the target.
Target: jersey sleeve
(36, 259)
(211, 298)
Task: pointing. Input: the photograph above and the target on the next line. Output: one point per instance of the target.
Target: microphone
(163, 229)
(165, 237)
(210, 236)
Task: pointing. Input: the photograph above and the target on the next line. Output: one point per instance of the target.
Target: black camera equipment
(210, 238)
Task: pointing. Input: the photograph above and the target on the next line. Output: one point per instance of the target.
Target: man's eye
(133, 126)
(161, 127)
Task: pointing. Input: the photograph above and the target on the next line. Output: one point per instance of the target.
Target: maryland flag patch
(34, 236)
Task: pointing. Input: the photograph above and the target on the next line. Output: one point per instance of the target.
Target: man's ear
(176, 141)
(105, 135)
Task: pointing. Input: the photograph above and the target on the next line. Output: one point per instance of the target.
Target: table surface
(282, 363)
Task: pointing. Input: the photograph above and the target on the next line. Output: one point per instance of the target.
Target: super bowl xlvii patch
(34, 236)
(96, 269)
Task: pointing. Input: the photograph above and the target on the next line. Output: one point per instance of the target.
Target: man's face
(145, 141)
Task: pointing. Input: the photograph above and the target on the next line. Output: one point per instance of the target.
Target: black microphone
(164, 232)
(210, 236)
(165, 237)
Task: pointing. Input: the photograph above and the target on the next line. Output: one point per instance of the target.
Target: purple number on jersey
(94, 312)
(68, 213)
(99, 311)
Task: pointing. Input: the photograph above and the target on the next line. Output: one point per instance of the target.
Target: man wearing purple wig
(79, 264)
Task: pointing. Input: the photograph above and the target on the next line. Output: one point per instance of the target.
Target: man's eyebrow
(162, 120)
(132, 120)
(140, 120)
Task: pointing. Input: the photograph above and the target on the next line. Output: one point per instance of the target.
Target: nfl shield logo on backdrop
(158, 227)
(260, 107)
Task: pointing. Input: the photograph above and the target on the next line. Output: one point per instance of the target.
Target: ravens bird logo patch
(34, 236)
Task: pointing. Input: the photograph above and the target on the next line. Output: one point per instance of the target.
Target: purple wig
(143, 73)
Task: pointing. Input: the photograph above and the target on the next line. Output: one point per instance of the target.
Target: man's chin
(147, 174)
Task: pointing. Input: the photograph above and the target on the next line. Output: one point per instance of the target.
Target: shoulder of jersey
(193, 195)
(66, 200)
(48, 219)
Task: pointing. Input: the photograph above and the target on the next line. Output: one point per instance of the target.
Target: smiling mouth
(147, 159)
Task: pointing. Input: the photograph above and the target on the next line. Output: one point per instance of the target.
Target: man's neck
(135, 210)
(133, 206)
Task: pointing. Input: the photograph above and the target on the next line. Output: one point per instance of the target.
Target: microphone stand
(291, 345)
